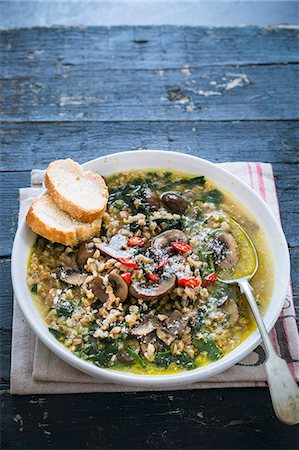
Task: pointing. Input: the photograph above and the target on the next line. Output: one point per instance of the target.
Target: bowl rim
(143, 380)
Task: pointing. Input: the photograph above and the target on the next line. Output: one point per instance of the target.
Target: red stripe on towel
(261, 181)
(263, 195)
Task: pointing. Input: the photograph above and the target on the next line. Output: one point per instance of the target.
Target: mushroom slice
(177, 322)
(165, 336)
(229, 251)
(231, 309)
(165, 238)
(120, 287)
(98, 288)
(115, 248)
(124, 357)
(68, 262)
(175, 202)
(145, 327)
(72, 277)
(86, 250)
(154, 291)
(152, 199)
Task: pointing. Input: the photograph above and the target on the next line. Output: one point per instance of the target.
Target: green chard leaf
(65, 310)
(213, 196)
(208, 345)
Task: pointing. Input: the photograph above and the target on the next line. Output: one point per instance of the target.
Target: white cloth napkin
(36, 370)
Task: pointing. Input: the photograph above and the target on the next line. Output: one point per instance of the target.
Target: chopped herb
(220, 294)
(198, 322)
(185, 361)
(65, 310)
(34, 288)
(163, 359)
(56, 333)
(214, 232)
(136, 357)
(103, 357)
(211, 262)
(196, 181)
(169, 224)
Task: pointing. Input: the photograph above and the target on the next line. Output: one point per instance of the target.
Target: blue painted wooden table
(224, 94)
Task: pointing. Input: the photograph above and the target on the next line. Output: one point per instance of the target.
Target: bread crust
(66, 204)
(81, 232)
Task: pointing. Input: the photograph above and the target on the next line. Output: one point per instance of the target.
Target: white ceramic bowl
(144, 159)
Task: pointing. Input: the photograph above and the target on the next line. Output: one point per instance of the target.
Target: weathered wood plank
(60, 50)
(10, 182)
(287, 186)
(6, 296)
(208, 93)
(203, 419)
(243, 141)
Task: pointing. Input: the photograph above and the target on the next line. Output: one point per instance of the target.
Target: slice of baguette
(83, 195)
(48, 220)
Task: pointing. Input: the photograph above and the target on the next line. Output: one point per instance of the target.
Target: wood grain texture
(9, 197)
(60, 49)
(210, 419)
(208, 93)
(276, 142)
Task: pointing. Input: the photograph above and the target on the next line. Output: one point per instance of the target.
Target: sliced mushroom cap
(120, 287)
(175, 202)
(165, 238)
(85, 251)
(231, 309)
(124, 357)
(116, 247)
(72, 277)
(165, 336)
(229, 255)
(68, 262)
(154, 291)
(152, 199)
(153, 339)
(148, 324)
(177, 322)
(98, 288)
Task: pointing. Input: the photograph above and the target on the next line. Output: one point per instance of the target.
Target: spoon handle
(283, 388)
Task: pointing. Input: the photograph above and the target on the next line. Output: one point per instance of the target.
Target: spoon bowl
(248, 257)
(283, 388)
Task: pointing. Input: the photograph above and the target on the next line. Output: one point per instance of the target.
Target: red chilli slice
(129, 262)
(181, 247)
(162, 263)
(209, 280)
(189, 282)
(153, 277)
(135, 241)
(126, 276)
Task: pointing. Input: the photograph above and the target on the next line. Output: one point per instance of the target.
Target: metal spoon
(283, 388)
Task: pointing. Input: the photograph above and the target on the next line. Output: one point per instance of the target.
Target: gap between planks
(61, 122)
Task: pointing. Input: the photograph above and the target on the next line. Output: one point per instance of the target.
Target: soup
(145, 295)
